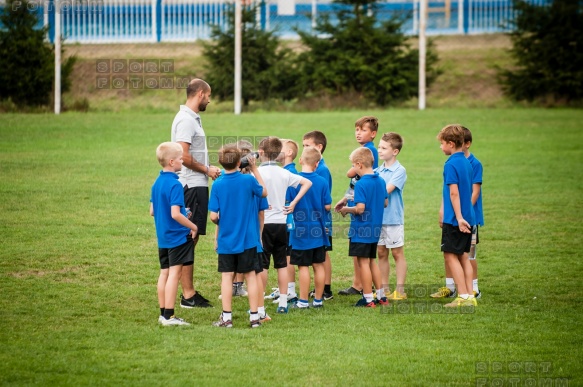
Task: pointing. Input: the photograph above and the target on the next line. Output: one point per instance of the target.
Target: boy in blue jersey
(289, 152)
(370, 199)
(317, 139)
(309, 238)
(365, 131)
(393, 232)
(237, 240)
(449, 289)
(456, 215)
(477, 172)
(174, 231)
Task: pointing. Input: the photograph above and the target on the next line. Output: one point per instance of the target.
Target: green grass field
(78, 265)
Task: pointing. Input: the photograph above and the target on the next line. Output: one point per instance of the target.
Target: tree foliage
(26, 60)
(548, 52)
(267, 70)
(360, 54)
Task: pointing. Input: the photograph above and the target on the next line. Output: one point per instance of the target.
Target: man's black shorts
(244, 262)
(362, 250)
(274, 239)
(179, 255)
(454, 241)
(197, 199)
(308, 257)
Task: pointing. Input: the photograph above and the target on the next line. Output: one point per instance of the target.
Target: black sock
(161, 311)
(168, 313)
(328, 288)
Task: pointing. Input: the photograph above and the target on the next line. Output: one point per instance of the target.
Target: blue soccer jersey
(371, 191)
(310, 214)
(375, 153)
(457, 170)
(477, 170)
(167, 192)
(230, 198)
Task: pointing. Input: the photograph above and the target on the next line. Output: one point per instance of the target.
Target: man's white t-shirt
(187, 127)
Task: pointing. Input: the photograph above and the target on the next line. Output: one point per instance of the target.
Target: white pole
(460, 17)
(422, 52)
(238, 43)
(57, 56)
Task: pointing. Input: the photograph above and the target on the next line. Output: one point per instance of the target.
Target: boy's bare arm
(476, 188)
(457, 208)
(191, 163)
(390, 188)
(441, 214)
(356, 210)
(257, 175)
(351, 173)
(214, 217)
(305, 186)
(151, 209)
(341, 203)
(183, 220)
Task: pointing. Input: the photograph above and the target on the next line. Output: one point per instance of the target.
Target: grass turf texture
(78, 263)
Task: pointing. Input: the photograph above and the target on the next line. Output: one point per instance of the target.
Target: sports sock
(253, 316)
(465, 296)
(317, 302)
(475, 285)
(450, 284)
(380, 293)
(291, 288)
(228, 316)
(368, 297)
(161, 311)
(327, 288)
(261, 311)
(303, 303)
(168, 313)
(283, 301)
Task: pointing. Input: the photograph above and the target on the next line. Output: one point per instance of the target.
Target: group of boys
(251, 229)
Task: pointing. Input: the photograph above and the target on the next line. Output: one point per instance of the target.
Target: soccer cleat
(317, 306)
(255, 323)
(194, 302)
(477, 294)
(223, 324)
(264, 318)
(290, 298)
(363, 303)
(328, 296)
(160, 318)
(274, 294)
(173, 321)
(350, 292)
(444, 292)
(296, 305)
(383, 301)
(199, 297)
(312, 293)
(239, 291)
(396, 296)
(282, 310)
(459, 302)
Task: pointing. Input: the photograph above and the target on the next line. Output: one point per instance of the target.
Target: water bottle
(187, 213)
(291, 225)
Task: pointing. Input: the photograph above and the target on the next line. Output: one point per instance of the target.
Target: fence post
(51, 20)
(466, 16)
(158, 20)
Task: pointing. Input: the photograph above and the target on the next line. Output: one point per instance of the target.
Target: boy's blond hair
(394, 139)
(292, 145)
(372, 121)
(311, 156)
(168, 151)
(453, 133)
(362, 155)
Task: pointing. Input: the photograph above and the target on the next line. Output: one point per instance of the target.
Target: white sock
(475, 285)
(253, 316)
(283, 301)
(380, 293)
(261, 311)
(368, 297)
(450, 284)
(465, 296)
(227, 316)
(291, 288)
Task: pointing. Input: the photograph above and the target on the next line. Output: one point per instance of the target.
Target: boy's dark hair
(229, 156)
(271, 147)
(453, 133)
(467, 134)
(394, 139)
(373, 122)
(195, 86)
(318, 137)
